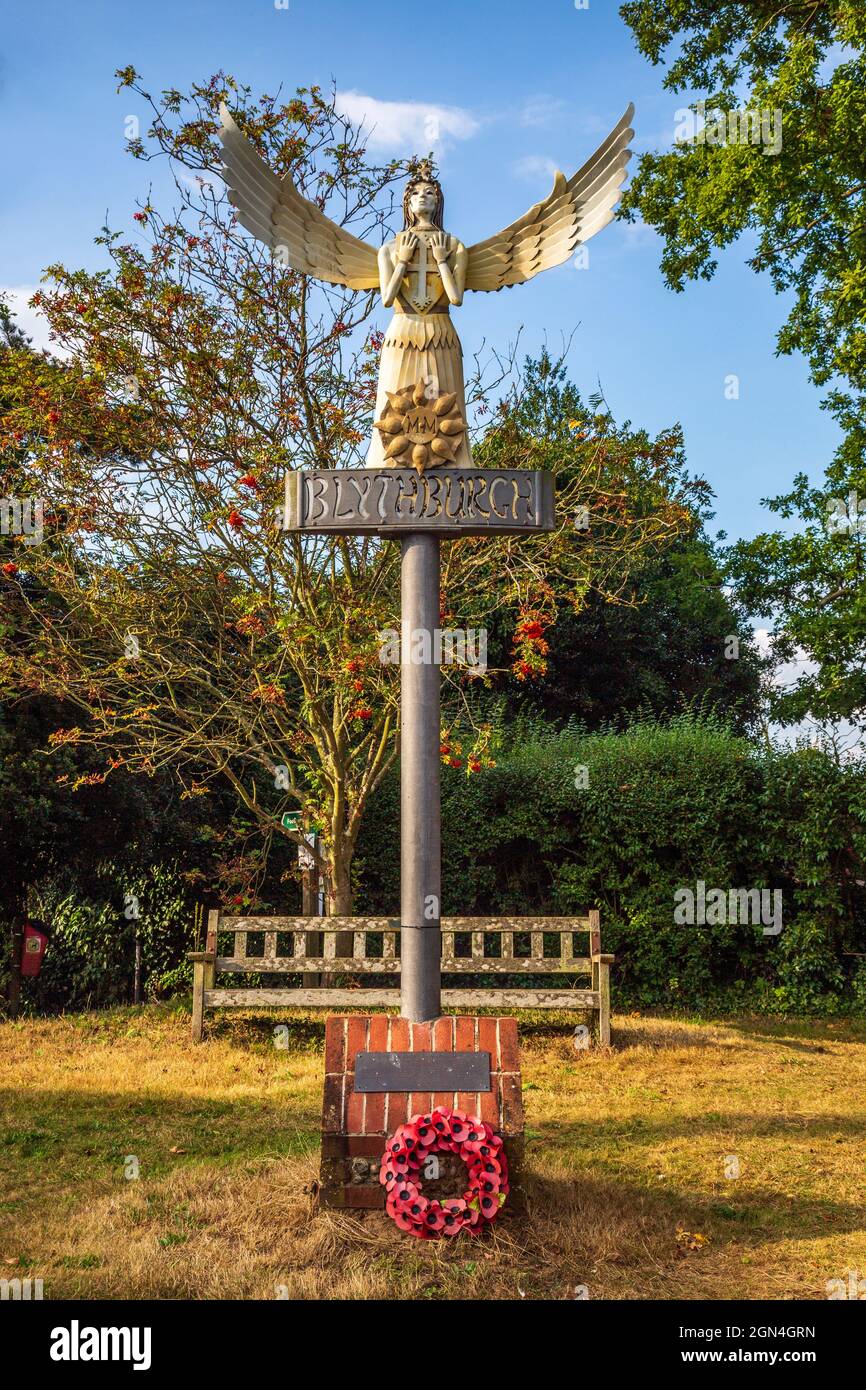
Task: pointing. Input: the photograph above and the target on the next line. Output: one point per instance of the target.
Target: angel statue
(421, 401)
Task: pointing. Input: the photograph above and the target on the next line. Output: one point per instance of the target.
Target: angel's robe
(421, 346)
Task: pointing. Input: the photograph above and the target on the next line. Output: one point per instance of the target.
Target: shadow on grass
(763, 1220)
(802, 1034)
(71, 1137)
(78, 1134)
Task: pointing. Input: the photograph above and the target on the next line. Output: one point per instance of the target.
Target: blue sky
(516, 89)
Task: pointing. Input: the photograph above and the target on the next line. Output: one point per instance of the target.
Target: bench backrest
(285, 944)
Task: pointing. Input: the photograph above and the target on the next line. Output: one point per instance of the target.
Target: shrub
(664, 806)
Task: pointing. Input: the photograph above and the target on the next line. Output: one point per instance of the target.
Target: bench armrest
(604, 960)
(207, 957)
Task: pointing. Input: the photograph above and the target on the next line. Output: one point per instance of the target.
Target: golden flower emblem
(421, 429)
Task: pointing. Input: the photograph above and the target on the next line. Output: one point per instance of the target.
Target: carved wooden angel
(423, 270)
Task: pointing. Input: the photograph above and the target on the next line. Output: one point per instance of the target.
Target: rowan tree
(169, 606)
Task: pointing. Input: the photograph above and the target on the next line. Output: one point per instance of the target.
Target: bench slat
(453, 998)
(451, 965)
(468, 924)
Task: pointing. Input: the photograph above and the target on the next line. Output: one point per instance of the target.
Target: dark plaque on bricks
(422, 1071)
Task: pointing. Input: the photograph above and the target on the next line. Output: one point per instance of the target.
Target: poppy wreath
(444, 1131)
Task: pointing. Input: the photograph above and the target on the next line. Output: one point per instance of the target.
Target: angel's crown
(422, 171)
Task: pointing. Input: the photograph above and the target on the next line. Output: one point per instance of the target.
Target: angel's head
(423, 201)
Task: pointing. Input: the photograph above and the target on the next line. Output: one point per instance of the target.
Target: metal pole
(420, 840)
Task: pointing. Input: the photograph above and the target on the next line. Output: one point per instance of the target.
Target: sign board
(449, 502)
(422, 1071)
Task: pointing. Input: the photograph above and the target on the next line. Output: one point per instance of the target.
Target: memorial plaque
(449, 502)
(422, 1071)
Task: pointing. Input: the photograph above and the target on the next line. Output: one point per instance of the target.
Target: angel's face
(423, 200)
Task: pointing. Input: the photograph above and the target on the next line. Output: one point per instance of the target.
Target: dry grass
(626, 1148)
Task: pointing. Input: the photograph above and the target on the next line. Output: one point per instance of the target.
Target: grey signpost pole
(421, 512)
(420, 831)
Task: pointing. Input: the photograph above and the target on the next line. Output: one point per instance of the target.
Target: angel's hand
(406, 244)
(439, 246)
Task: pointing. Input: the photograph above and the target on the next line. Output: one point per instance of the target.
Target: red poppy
(425, 1131)
(10, 568)
(434, 1217)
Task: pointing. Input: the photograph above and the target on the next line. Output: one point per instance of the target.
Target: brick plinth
(355, 1124)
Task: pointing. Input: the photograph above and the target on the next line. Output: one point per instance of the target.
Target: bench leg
(197, 1000)
(603, 987)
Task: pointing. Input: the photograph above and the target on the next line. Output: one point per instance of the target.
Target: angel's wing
(573, 211)
(275, 212)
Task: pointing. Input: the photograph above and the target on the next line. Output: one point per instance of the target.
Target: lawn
(632, 1158)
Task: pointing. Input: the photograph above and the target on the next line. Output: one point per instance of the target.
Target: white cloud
(535, 167)
(847, 738)
(200, 181)
(636, 235)
(787, 673)
(30, 321)
(541, 110)
(410, 127)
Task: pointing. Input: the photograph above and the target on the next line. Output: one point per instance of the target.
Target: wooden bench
(311, 948)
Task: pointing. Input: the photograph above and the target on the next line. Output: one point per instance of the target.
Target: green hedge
(665, 806)
(90, 959)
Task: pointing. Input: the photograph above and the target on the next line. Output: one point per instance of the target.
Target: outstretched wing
(545, 236)
(275, 212)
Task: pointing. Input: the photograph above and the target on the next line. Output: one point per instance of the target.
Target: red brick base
(355, 1125)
